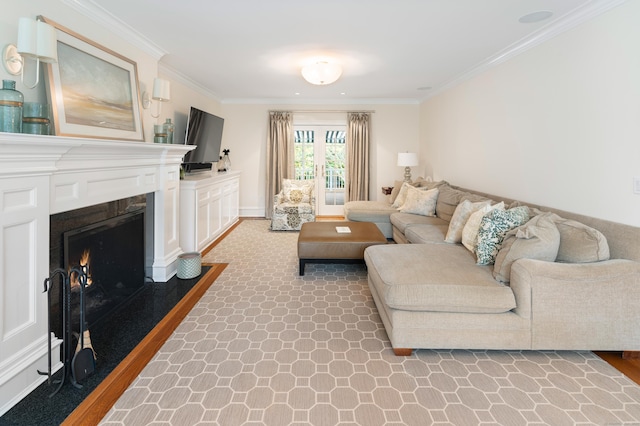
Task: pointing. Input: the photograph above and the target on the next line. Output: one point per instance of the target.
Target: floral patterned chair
(294, 205)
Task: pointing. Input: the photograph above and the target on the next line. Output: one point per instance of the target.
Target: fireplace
(108, 242)
(43, 177)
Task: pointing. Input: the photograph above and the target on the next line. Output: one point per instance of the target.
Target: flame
(85, 263)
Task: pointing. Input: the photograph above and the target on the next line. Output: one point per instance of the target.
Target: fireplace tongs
(66, 325)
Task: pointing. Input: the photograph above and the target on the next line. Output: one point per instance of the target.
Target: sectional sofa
(537, 278)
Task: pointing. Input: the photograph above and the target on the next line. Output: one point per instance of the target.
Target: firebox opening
(112, 253)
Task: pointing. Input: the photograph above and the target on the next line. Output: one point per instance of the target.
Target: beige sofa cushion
(435, 277)
(432, 234)
(537, 239)
(460, 217)
(580, 243)
(420, 201)
(404, 220)
(449, 198)
(368, 211)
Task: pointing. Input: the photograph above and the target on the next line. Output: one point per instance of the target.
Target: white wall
(183, 93)
(393, 128)
(559, 125)
(55, 10)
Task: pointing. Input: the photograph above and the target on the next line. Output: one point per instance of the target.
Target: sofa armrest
(579, 306)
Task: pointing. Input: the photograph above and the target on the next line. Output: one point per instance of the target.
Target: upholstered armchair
(294, 205)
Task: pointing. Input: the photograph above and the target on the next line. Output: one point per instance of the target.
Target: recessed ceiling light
(533, 17)
(343, 93)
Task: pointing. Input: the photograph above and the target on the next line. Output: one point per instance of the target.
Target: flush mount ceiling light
(322, 72)
(535, 17)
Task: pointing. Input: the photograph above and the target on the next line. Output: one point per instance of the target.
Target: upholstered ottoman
(320, 242)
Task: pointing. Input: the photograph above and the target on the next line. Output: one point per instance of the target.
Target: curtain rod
(325, 111)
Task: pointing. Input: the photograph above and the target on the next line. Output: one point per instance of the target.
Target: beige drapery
(280, 155)
(358, 131)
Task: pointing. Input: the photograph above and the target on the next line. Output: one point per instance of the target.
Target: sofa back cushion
(537, 239)
(580, 243)
(449, 198)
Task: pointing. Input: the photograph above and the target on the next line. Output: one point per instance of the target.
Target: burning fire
(85, 261)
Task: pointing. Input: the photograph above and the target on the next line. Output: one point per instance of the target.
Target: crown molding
(179, 77)
(308, 101)
(566, 22)
(96, 13)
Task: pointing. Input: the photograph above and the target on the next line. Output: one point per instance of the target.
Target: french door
(320, 154)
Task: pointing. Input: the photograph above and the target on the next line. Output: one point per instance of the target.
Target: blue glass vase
(11, 102)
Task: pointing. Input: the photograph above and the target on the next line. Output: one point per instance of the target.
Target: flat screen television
(204, 130)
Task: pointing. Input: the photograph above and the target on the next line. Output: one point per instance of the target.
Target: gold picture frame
(93, 91)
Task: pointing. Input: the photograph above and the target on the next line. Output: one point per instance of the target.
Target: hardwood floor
(630, 367)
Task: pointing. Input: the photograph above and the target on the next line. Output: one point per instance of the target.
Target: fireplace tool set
(82, 363)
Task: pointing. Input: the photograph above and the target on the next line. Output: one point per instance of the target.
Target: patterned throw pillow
(421, 202)
(470, 230)
(402, 195)
(297, 191)
(493, 228)
(460, 216)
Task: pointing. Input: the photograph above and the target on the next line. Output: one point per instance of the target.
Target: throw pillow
(537, 239)
(395, 191)
(493, 227)
(402, 195)
(297, 191)
(460, 217)
(420, 202)
(580, 243)
(470, 230)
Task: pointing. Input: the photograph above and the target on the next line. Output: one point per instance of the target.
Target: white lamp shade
(161, 90)
(321, 73)
(407, 159)
(27, 37)
(47, 45)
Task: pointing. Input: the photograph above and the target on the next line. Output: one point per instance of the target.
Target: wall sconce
(407, 160)
(161, 93)
(322, 72)
(36, 40)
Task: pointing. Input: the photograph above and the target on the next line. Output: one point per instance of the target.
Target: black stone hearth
(112, 340)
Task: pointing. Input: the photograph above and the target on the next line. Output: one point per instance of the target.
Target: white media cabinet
(209, 206)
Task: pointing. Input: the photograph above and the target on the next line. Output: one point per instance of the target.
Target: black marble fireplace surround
(113, 236)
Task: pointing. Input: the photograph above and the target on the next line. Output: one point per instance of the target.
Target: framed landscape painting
(93, 91)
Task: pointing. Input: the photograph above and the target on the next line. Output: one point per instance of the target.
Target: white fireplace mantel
(44, 175)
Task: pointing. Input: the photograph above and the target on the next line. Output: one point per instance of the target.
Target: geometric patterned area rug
(265, 346)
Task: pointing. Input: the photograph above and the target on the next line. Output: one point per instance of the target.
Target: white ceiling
(390, 50)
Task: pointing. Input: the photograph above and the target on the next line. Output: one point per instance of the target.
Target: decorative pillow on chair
(537, 239)
(297, 191)
(470, 230)
(493, 228)
(460, 216)
(420, 201)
